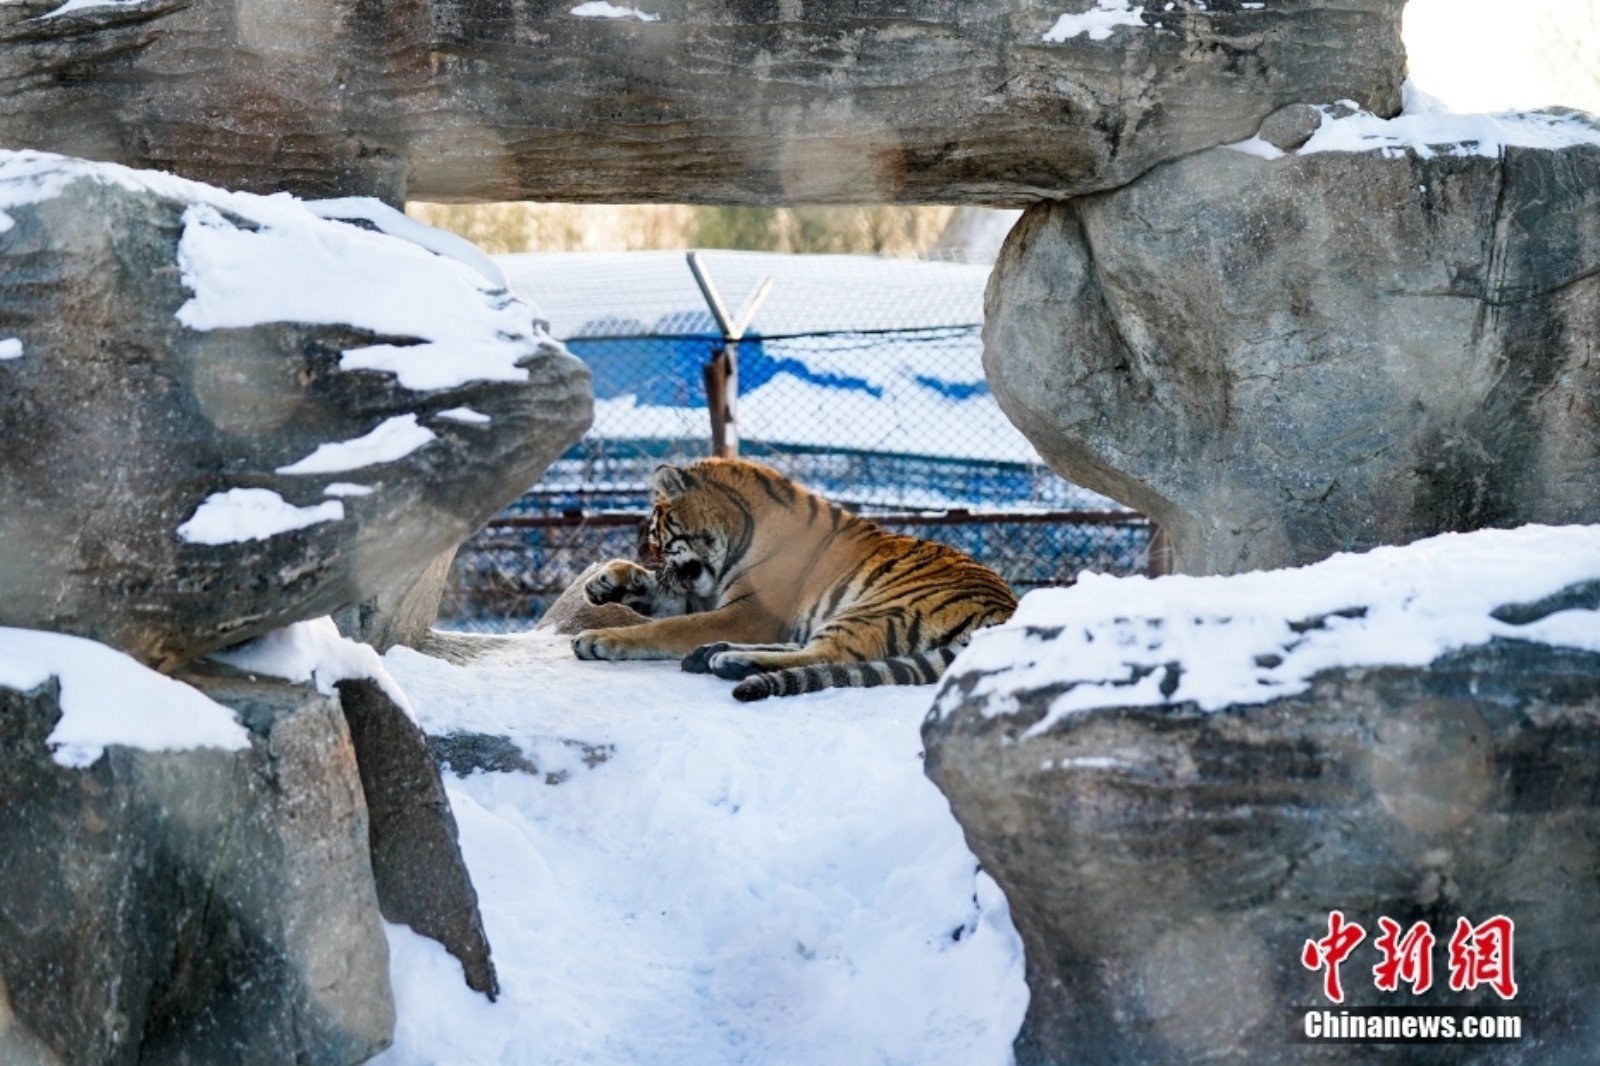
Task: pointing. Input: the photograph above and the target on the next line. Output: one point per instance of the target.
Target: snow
(288, 265)
(1258, 147)
(313, 652)
(108, 698)
(1502, 55)
(1425, 127)
(1247, 639)
(732, 884)
(599, 9)
(466, 415)
(1098, 22)
(239, 515)
(10, 348)
(346, 488)
(399, 224)
(393, 439)
(78, 5)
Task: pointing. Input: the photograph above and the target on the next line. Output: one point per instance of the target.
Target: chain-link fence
(859, 378)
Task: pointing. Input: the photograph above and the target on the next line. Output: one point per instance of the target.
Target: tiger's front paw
(608, 644)
(620, 581)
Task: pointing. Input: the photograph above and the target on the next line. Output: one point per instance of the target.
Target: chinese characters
(1476, 955)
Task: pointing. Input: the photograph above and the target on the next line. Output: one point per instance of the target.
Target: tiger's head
(696, 533)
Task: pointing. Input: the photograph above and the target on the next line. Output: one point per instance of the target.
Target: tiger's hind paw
(731, 662)
(699, 660)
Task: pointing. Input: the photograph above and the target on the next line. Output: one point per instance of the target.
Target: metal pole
(722, 372)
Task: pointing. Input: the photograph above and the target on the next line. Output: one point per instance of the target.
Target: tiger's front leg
(673, 638)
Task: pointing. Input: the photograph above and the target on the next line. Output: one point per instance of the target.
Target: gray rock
(1281, 359)
(121, 421)
(401, 613)
(422, 880)
(464, 753)
(190, 908)
(844, 101)
(1291, 127)
(1165, 866)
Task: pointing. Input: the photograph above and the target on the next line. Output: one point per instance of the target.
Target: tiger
(758, 580)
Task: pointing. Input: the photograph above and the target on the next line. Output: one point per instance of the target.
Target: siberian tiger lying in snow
(766, 583)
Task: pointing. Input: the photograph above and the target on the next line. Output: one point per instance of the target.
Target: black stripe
(837, 594)
(770, 484)
(872, 675)
(878, 572)
(839, 674)
(902, 672)
(812, 506)
(893, 633)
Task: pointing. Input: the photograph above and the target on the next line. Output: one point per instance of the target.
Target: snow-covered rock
(1382, 333)
(202, 386)
(1176, 780)
(183, 898)
(421, 879)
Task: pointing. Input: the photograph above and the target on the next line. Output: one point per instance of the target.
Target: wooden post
(718, 381)
(721, 373)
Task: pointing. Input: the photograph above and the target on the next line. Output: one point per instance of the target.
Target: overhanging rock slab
(674, 101)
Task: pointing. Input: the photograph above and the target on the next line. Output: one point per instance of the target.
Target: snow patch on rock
(108, 698)
(1098, 22)
(313, 652)
(394, 438)
(252, 514)
(1217, 642)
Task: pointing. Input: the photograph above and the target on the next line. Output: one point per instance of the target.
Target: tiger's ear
(669, 481)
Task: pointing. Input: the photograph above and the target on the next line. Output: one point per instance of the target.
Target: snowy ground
(769, 884)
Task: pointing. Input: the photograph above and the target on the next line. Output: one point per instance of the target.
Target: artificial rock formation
(174, 363)
(677, 100)
(1277, 359)
(422, 880)
(1166, 866)
(202, 906)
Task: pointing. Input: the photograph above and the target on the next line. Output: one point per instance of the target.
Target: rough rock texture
(120, 421)
(713, 102)
(1277, 360)
(463, 753)
(422, 880)
(191, 907)
(1165, 867)
(400, 613)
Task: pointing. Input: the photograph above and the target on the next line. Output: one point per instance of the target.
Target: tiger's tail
(920, 668)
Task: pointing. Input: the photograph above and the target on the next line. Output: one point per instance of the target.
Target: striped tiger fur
(763, 582)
